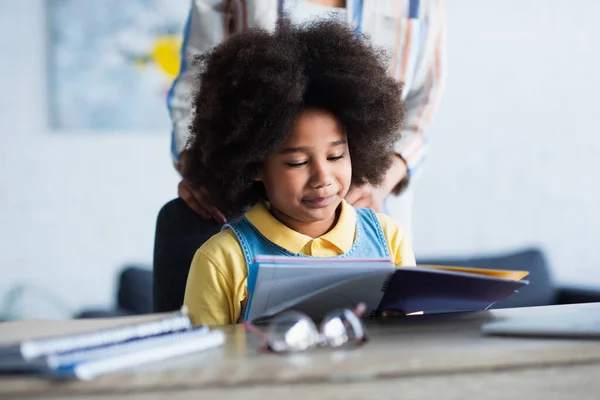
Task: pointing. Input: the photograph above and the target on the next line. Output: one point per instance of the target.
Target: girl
(284, 122)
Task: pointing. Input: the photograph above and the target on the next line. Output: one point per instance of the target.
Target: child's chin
(322, 213)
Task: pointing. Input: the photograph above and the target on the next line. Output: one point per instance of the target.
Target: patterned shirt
(411, 31)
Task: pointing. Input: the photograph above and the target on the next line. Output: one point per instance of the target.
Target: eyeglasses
(293, 331)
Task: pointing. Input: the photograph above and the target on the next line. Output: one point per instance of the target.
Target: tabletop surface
(415, 347)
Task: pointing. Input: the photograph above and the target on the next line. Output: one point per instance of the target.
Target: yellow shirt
(217, 282)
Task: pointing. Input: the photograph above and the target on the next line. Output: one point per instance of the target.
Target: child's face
(310, 175)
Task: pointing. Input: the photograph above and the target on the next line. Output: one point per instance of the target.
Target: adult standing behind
(411, 31)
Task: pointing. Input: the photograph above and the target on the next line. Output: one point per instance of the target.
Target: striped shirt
(411, 31)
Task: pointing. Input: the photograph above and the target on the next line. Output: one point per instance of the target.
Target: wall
(74, 207)
(515, 147)
(514, 152)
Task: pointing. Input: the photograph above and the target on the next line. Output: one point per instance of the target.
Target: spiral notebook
(89, 354)
(91, 363)
(317, 286)
(23, 353)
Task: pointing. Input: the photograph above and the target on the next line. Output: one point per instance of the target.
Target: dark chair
(179, 233)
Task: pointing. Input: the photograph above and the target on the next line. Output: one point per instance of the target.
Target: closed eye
(297, 165)
(300, 164)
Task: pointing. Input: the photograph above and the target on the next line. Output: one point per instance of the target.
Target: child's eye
(297, 165)
(335, 158)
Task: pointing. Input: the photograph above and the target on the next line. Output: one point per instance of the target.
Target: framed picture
(112, 62)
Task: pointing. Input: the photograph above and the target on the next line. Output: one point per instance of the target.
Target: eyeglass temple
(254, 330)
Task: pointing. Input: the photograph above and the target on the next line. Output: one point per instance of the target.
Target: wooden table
(442, 356)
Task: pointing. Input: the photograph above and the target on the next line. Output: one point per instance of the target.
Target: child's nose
(321, 177)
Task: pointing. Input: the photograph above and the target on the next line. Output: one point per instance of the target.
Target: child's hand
(391, 313)
(398, 313)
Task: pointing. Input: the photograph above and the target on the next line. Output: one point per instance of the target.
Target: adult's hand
(369, 196)
(198, 201)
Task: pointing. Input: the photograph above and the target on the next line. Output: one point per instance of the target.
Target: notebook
(91, 363)
(22, 355)
(87, 355)
(317, 286)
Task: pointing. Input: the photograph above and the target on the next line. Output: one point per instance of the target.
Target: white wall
(515, 147)
(74, 207)
(516, 143)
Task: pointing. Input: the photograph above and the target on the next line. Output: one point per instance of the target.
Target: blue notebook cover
(433, 291)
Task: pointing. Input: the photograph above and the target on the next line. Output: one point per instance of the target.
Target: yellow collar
(341, 236)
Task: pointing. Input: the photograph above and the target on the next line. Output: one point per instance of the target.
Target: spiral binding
(32, 349)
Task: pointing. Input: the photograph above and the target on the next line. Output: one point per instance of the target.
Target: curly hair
(253, 86)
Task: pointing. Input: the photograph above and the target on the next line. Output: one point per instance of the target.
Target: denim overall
(369, 241)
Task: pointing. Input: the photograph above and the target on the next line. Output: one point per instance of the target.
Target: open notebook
(317, 286)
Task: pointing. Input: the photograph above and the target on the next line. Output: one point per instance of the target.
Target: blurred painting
(112, 62)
